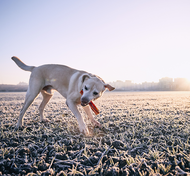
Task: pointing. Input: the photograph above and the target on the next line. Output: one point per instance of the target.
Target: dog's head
(93, 87)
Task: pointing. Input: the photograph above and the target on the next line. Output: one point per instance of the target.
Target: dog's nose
(84, 101)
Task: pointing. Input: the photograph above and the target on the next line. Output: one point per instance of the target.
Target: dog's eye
(85, 88)
(95, 93)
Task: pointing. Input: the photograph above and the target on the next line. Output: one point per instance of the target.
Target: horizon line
(132, 81)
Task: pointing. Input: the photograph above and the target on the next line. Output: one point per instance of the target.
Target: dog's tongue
(92, 105)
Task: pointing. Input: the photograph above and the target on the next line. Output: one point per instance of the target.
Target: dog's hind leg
(30, 96)
(46, 98)
(32, 92)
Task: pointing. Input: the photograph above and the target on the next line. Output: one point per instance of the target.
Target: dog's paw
(84, 130)
(96, 124)
(20, 128)
(19, 125)
(44, 120)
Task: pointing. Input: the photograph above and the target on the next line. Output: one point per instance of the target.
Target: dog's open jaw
(91, 104)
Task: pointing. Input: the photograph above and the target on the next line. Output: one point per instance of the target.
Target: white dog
(69, 83)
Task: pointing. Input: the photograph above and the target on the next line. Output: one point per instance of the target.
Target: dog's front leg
(82, 126)
(89, 114)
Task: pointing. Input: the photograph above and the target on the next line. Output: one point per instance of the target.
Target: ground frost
(144, 133)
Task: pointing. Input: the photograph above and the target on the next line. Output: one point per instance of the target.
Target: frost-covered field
(144, 133)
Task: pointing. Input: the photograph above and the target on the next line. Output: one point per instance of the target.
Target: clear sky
(117, 40)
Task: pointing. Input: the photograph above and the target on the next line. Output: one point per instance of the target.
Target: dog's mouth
(84, 104)
(92, 106)
(84, 101)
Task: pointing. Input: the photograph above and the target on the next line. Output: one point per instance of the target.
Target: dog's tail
(22, 65)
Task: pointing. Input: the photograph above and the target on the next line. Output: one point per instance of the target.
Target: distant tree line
(13, 88)
(164, 84)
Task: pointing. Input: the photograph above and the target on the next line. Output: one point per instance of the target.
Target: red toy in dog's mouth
(92, 105)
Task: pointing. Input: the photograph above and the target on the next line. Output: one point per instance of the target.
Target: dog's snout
(84, 101)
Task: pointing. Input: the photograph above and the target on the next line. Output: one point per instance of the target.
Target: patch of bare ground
(144, 133)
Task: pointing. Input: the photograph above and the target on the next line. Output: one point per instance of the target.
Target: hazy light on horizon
(117, 40)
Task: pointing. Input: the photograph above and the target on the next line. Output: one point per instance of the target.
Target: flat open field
(144, 133)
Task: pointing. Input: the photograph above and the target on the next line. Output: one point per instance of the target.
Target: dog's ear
(85, 77)
(109, 87)
(82, 78)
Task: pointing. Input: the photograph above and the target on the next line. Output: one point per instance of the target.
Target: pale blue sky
(117, 40)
